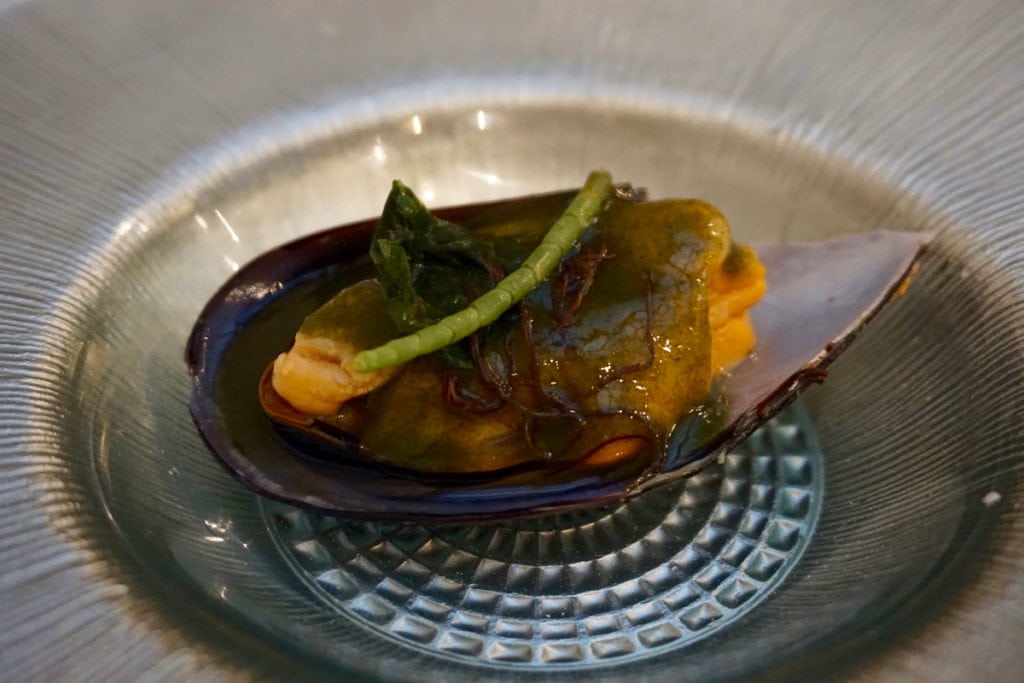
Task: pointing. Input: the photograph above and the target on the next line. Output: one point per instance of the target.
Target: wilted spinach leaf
(429, 267)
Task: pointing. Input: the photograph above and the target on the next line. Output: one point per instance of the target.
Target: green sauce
(628, 360)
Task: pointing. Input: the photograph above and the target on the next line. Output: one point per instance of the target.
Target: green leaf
(429, 267)
(408, 215)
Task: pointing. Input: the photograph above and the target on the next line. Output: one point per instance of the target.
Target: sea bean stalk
(582, 211)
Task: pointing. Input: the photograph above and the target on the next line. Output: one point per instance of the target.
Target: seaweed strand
(585, 207)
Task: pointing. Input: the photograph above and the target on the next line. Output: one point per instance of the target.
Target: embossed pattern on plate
(659, 571)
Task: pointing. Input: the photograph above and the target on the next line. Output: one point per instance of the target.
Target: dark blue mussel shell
(819, 297)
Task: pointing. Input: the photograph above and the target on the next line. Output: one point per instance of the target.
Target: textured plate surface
(147, 149)
(583, 588)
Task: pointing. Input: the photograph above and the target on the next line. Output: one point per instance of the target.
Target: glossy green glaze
(614, 346)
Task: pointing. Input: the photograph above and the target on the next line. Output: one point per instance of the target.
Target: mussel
(819, 296)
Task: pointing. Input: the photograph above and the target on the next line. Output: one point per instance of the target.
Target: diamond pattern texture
(580, 588)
